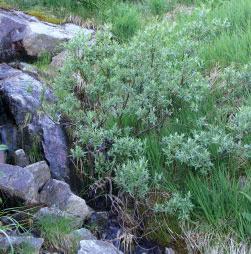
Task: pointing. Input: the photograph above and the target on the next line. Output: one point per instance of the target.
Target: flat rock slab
(26, 34)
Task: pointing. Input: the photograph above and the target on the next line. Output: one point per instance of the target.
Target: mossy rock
(44, 17)
(5, 5)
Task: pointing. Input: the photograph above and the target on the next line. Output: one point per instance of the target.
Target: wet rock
(75, 222)
(58, 194)
(21, 244)
(21, 158)
(112, 230)
(98, 220)
(41, 173)
(18, 182)
(145, 246)
(97, 247)
(22, 33)
(22, 96)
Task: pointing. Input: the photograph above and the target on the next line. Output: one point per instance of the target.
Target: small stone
(169, 251)
(21, 159)
(97, 247)
(70, 243)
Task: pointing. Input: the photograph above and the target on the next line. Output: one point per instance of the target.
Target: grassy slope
(218, 201)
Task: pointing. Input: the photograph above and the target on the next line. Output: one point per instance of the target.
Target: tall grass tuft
(220, 203)
(125, 20)
(158, 7)
(234, 44)
(230, 47)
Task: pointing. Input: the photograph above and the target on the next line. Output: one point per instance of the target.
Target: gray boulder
(21, 92)
(22, 33)
(24, 183)
(58, 194)
(21, 244)
(22, 96)
(18, 182)
(97, 247)
(21, 158)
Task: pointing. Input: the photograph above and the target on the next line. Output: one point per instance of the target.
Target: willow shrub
(114, 95)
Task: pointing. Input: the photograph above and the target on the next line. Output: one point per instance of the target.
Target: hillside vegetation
(158, 111)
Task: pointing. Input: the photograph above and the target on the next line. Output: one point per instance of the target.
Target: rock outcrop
(22, 96)
(23, 120)
(25, 34)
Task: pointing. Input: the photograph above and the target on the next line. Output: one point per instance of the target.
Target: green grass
(53, 229)
(25, 248)
(125, 20)
(219, 201)
(234, 44)
(230, 47)
(238, 13)
(158, 7)
(43, 61)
